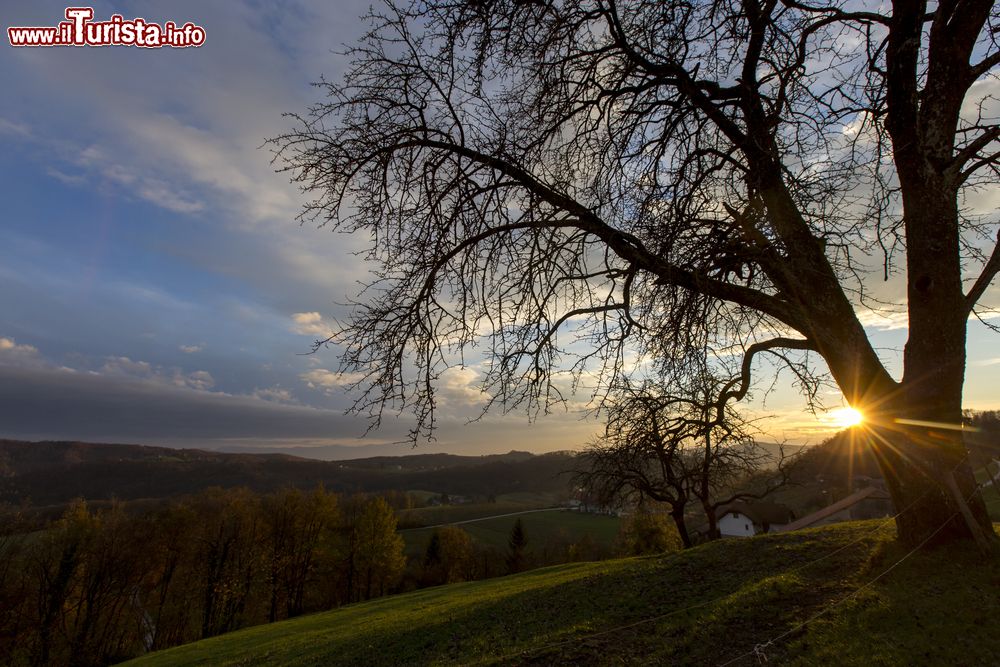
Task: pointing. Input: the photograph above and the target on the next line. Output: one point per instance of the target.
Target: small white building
(736, 524)
(749, 519)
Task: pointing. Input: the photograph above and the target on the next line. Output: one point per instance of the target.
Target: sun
(846, 417)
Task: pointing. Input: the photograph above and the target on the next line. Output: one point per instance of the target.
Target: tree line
(99, 586)
(104, 583)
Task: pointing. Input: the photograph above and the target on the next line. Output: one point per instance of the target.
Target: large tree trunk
(932, 486)
(924, 458)
(678, 517)
(915, 425)
(713, 523)
(939, 483)
(914, 430)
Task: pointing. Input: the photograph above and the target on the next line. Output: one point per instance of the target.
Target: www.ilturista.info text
(79, 29)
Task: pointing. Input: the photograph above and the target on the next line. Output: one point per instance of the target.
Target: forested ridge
(47, 473)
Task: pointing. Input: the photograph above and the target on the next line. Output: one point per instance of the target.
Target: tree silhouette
(517, 542)
(576, 186)
(678, 450)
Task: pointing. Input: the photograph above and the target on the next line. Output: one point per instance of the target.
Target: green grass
(992, 498)
(442, 514)
(540, 528)
(704, 606)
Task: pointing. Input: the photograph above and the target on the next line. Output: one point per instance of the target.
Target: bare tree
(678, 449)
(641, 456)
(670, 179)
(726, 463)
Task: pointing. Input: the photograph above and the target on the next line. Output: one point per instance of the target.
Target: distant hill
(46, 473)
(846, 454)
(719, 603)
(414, 462)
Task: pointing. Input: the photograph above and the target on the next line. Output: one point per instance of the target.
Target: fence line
(758, 649)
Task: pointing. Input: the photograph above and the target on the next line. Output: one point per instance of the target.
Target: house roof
(868, 492)
(760, 512)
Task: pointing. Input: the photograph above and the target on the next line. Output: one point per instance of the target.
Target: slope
(876, 602)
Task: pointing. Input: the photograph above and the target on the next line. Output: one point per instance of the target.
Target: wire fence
(759, 650)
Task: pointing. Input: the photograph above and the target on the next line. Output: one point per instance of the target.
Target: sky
(155, 286)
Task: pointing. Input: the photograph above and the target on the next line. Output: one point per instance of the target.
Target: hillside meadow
(870, 600)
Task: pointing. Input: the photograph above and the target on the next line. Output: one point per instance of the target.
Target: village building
(748, 519)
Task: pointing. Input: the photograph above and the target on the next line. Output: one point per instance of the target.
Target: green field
(992, 498)
(991, 493)
(540, 528)
(447, 514)
(709, 605)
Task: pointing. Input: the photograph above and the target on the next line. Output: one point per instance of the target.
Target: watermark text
(79, 29)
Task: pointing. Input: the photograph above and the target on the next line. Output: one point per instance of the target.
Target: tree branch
(625, 245)
(989, 272)
(744, 377)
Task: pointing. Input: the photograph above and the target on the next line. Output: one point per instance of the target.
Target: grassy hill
(709, 605)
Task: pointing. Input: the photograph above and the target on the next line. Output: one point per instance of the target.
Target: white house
(736, 524)
(749, 519)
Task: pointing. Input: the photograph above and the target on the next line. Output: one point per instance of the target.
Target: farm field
(539, 526)
(446, 514)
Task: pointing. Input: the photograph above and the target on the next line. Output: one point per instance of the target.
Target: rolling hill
(48, 473)
(846, 594)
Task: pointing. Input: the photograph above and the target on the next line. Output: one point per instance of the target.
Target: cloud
(238, 174)
(157, 192)
(134, 181)
(10, 345)
(93, 163)
(885, 320)
(200, 380)
(143, 370)
(459, 386)
(46, 403)
(203, 158)
(13, 354)
(896, 320)
(124, 366)
(192, 349)
(127, 400)
(276, 394)
(68, 179)
(11, 127)
(328, 381)
(310, 324)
